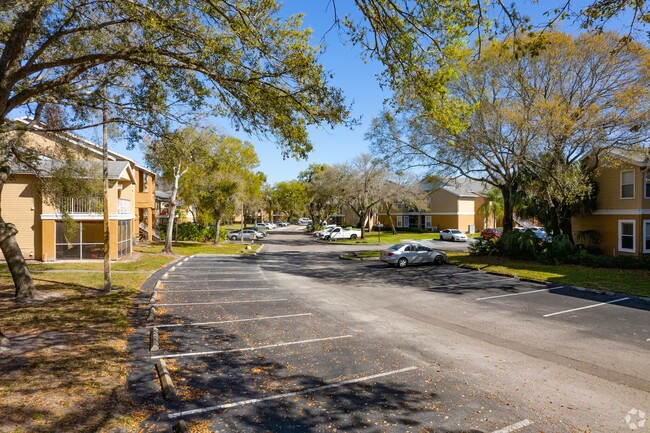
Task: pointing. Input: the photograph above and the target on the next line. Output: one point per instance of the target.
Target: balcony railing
(123, 206)
(84, 205)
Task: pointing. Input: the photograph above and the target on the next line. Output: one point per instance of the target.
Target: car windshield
(456, 232)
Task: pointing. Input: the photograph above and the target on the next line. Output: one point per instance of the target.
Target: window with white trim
(646, 236)
(406, 221)
(647, 185)
(627, 184)
(626, 236)
(427, 222)
(398, 221)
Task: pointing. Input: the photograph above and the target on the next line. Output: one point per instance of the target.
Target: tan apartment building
(620, 225)
(452, 205)
(42, 233)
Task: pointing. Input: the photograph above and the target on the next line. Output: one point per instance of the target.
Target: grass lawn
(631, 282)
(65, 368)
(388, 238)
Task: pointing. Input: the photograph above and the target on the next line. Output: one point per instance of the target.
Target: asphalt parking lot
(246, 356)
(296, 340)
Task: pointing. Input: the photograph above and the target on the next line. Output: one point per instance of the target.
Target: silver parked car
(247, 233)
(412, 253)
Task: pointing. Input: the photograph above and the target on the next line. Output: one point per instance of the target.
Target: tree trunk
(217, 216)
(172, 212)
(507, 207)
(23, 282)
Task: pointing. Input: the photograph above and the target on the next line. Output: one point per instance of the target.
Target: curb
(180, 427)
(168, 389)
(152, 314)
(153, 340)
(551, 285)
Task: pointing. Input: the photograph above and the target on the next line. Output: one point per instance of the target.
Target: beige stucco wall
(48, 236)
(607, 228)
(443, 201)
(609, 188)
(21, 206)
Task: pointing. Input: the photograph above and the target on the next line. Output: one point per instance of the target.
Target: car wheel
(438, 260)
(353, 237)
(401, 263)
(233, 238)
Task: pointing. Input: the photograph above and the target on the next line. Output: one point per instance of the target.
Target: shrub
(584, 258)
(520, 245)
(189, 232)
(483, 247)
(559, 250)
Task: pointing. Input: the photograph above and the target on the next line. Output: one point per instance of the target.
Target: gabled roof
(460, 187)
(85, 144)
(639, 157)
(117, 170)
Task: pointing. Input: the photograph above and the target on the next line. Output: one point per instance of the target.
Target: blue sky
(356, 78)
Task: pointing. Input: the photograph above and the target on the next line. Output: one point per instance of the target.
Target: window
(124, 238)
(406, 221)
(626, 236)
(79, 241)
(144, 182)
(647, 185)
(627, 184)
(427, 222)
(646, 236)
(398, 221)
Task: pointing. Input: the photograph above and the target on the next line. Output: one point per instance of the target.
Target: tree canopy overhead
(157, 58)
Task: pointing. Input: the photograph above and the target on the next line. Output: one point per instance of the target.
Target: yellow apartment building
(453, 205)
(42, 234)
(620, 225)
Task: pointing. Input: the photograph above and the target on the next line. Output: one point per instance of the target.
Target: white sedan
(453, 235)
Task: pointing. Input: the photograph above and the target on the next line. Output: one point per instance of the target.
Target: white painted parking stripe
(588, 306)
(223, 322)
(515, 427)
(219, 303)
(215, 280)
(473, 283)
(214, 290)
(517, 294)
(288, 394)
(250, 349)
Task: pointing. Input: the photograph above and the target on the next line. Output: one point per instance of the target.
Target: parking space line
(588, 306)
(515, 427)
(520, 293)
(218, 303)
(215, 280)
(215, 290)
(466, 284)
(223, 322)
(288, 394)
(250, 349)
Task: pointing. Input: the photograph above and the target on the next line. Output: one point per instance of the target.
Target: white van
(304, 221)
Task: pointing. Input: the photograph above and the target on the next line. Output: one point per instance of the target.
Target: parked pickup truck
(342, 233)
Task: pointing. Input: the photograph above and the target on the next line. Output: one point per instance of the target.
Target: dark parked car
(491, 233)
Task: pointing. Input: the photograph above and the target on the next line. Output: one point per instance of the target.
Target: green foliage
(520, 245)
(155, 60)
(583, 258)
(193, 232)
(483, 247)
(559, 249)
